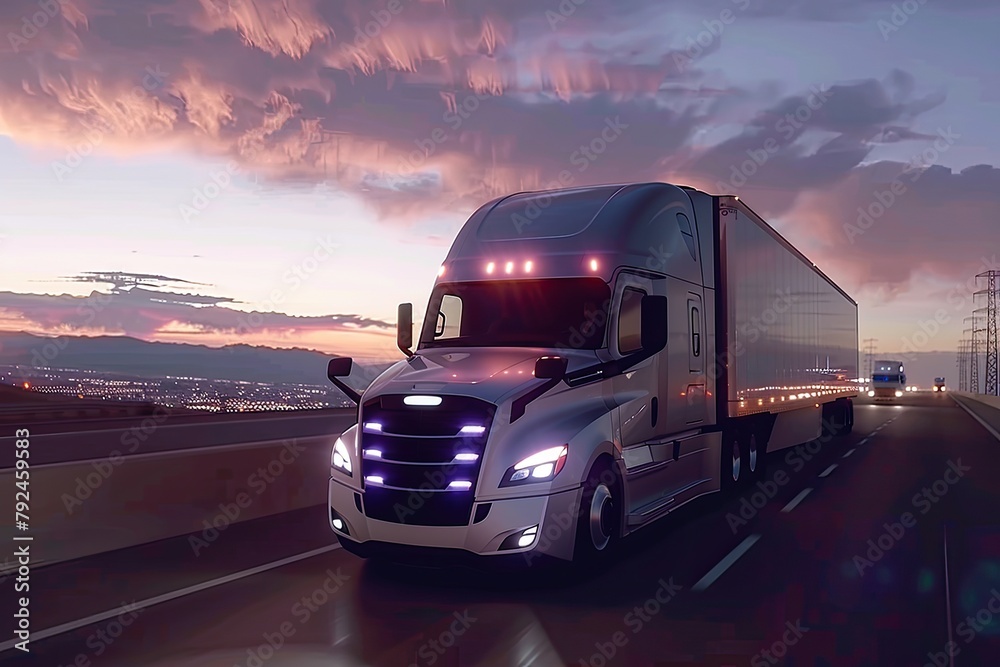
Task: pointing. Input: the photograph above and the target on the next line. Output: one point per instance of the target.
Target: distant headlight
(870, 394)
(898, 393)
(542, 466)
(340, 459)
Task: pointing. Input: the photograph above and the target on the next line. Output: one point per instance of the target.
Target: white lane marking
(796, 500)
(828, 470)
(725, 563)
(989, 428)
(167, 597)
(848, 453)
(863, 441)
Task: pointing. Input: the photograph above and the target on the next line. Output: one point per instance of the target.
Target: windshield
(553, 313)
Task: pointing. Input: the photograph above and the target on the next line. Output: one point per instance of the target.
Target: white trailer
(591, 360)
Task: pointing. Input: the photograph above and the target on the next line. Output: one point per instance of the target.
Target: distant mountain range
(138, 358)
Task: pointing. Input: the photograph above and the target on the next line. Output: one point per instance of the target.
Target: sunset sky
(119, 117)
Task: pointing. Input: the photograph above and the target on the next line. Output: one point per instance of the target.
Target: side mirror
(551, 368)
(404, 328)
(653, 326)
(340, 367)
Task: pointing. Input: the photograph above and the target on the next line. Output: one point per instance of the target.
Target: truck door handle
(677, 449)
(697, 344)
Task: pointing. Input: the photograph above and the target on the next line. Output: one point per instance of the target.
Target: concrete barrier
(88, 507)
(992, 401)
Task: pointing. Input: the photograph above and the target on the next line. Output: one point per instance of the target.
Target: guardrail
(119, 499)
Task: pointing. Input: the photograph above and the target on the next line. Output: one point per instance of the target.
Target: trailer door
(695, 391)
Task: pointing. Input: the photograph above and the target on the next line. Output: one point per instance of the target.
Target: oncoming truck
(888, 380)
(590, 360)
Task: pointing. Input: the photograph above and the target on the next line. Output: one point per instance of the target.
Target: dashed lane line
(726, 563)
(796, 500)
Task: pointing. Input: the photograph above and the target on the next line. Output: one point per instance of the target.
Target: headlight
(898, 393)
(340, 459)
(870, 394)
(539, 467)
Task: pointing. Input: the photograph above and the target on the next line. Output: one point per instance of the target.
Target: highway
(876, 549)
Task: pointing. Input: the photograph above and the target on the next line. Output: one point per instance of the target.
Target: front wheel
(599, 521)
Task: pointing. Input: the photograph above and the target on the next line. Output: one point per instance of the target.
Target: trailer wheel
(848, 417)
(753, 456)
(763, 433)
(598, 524)
(733, 460)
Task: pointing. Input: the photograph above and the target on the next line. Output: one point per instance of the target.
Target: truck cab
(939, 385)
(888, 380)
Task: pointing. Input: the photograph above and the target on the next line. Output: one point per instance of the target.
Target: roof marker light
(422, 400)
(527, 266)
(509, 267)
(593, 265)
(441, 271)
(490, 267)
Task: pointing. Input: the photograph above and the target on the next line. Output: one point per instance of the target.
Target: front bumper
(555, 516)
(886, 393)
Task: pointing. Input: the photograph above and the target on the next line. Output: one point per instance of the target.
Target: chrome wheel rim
(601, 508)
(736, 461)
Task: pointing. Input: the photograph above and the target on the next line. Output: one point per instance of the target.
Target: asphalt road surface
(881, 549)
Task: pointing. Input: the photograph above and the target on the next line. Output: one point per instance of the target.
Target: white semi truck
(591, 359)
(888, 380)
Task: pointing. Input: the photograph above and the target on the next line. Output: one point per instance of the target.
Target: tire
(732, 466)
(754, 456)
(598, 527)
(763, 433)
(844, 417)
(849, 426)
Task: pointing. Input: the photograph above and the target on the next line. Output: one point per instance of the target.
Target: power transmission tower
(961, 364)
(870, 343)
(974, 352)
(991, 330)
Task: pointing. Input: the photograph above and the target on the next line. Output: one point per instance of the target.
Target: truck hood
(487, 374)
